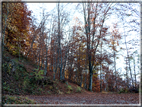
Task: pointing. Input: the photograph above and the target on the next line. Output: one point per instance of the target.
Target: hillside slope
(23, 83)
(21, 77)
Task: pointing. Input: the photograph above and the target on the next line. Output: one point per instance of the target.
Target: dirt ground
(88, 98)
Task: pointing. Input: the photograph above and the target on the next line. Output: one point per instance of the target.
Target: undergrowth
(18, 80)
(7, 99)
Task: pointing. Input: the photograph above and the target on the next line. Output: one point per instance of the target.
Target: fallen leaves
(88, 98)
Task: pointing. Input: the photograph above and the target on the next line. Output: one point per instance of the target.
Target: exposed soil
(88, 98)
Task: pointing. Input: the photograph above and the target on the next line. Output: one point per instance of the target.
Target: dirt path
(88, 98)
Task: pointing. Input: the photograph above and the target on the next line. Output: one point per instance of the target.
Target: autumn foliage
(16, 22)
(85, 54)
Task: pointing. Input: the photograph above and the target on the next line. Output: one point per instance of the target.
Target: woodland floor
(88, 98)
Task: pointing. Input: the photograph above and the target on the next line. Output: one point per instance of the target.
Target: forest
(88, 47)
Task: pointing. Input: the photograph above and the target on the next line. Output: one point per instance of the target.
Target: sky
(36, 8)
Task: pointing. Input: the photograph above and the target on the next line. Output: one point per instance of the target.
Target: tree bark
(114, 62)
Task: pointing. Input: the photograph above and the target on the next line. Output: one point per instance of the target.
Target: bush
(23, 72)
(69, 88)
(7, 88)
(28, 86)
(123, 90)
(57, 88)
(78, 90)
(59, 92)
(68, 92)
(16, 100)
(48, 92)
(51, 87)
(38, 91)
(39, 74)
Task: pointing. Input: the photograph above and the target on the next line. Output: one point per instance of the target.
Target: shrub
(39, 75)
(48, 92)
(7, 88)
(123, 90)
(59, 92)
(51, 87)
(40, 89)
(78, 90)
(57, 88)
(37, 91)
(29, 85)
(23, 72)
(26, 82)
(69, 88)
(68, 92)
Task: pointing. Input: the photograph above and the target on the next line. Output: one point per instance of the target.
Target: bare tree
(91, 22)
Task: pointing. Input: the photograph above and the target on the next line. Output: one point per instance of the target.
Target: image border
(74, 1)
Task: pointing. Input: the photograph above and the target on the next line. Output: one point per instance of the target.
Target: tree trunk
(81, 80)
(114, 62)
(54, 60)
(128, 56)
(59, 48)
(134, 72)
(39, 60)
(127, 75)
(45, 72)
(87, 29)
(63, 76)
(85, 86)
(101, 71)
(61, 65)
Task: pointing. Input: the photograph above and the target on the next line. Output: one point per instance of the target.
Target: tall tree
(115, 41)
(15, 32)
(130, 23)
(93, 31)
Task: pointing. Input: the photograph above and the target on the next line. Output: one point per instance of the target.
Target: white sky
(36, 8)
